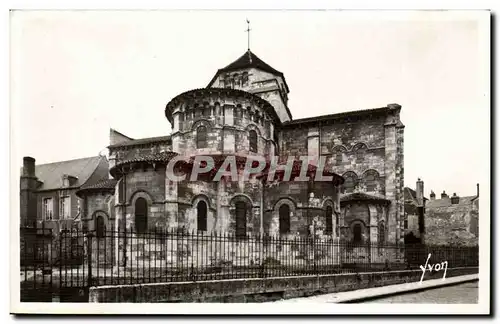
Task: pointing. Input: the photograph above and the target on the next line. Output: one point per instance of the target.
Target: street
(466, 293)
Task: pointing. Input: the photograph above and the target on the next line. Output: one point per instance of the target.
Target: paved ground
(466, 293)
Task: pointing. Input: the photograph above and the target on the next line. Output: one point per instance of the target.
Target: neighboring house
(411, 224)
(48, 191)
(452, 220)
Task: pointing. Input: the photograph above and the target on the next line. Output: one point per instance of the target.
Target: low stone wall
(260, 290)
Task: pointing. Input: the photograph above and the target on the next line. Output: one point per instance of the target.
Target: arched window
(241, 219)
(357, 237)
(337, 225)
(371, 179)
(100, 226)
(381, 233)
(350, 182)
(141, 215)
(284, 214)
(201, 137)
(338, 158)
(252, 137)
(328, 220)
(202, 216)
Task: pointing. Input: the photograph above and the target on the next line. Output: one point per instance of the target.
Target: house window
(100, 226)
(201, 209)
(253, 141)
(284, 214)
(328, 220)
(65, 208)
(241, 219)
(381, 233)
(141, 215)
(357, 237)
(406, 222)
(201, 137)
(48, 209)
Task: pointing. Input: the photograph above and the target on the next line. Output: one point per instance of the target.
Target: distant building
(447, 221)
(48, 191)
(452, 220)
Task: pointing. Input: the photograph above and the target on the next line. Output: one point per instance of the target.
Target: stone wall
(258, 289)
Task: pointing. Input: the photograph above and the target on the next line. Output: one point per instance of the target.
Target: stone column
(313, 145)
(393, 229)
(171, 202)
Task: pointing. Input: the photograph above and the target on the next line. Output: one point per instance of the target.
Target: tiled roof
(446, 202)
(162, 157)
(249, 60)
(361, 196)
(347, 114)
(51, 174)
(142, 141)
(204, 92)
(104, 184)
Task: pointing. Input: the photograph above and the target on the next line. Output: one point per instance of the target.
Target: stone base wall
(257, 289)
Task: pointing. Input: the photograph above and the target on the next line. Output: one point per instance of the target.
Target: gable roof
(249, 60)
(102, 185)
(50, 174)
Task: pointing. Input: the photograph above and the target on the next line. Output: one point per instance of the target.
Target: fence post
(89, 259)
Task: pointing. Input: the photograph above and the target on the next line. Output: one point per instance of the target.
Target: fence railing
(112, 257)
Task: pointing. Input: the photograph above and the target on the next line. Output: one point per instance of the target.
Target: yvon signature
(436, 267)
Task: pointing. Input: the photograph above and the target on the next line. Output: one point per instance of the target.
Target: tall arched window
(337, 225)
(201, 137)
(381, 233)
(357, 237)
(100, 226)
(241, 219)
(252, 137)
(141, 215)
(328, 220)
(284, 214)
(201, 209)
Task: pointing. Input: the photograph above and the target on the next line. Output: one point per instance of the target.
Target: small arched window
(201, 209)
(381, 233)
(328, 220)
(100, 226)
(241, 219)
(252, 137)
(284, 214)
(338, 158)
(141, 215)
(201, 137)
(349, 183)
(371, 181)
(357, 237)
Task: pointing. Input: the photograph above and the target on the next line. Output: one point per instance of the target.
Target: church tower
(251, 74)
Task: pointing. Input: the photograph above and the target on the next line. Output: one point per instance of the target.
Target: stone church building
(243, 112)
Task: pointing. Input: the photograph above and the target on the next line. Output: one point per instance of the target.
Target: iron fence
(77, 259)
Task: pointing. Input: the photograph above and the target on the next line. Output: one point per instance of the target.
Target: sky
(76, 74)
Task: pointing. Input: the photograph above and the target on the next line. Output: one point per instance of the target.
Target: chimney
(28, 200)
(420, 192)
(432, 195)
(455, 199)
(28, 167)
(478, 190)
(444, 195)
